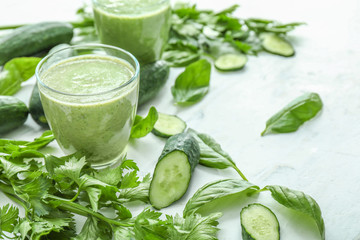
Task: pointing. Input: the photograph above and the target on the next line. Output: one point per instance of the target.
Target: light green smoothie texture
(96, 124)
(138, 26)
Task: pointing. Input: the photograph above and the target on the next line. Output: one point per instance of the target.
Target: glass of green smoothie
(89, 94)
(139, 26)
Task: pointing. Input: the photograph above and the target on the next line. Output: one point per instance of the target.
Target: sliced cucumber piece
(259, 223)
(168, 125)
(230, 62)
(277, 45)
(173, 170)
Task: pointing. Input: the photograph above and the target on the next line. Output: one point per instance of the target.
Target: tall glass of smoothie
(89, 94)
(138, 26)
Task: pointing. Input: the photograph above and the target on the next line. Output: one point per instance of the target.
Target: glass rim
(85, 46)
(150, 5)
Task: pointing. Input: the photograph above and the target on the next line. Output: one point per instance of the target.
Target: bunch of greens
(51, 190)
(195, 33)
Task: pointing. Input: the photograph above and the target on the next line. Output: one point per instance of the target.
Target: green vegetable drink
(90, 100)
(138, 26)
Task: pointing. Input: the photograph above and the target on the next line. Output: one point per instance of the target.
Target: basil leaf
(216, 190)
(143, 126)
(15, 72)
(192, 84)
(300, 202)
(293, 115)
(180, 58)
(211, 153)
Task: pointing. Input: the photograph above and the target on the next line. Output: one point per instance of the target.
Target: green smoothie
(138, 26)
(89, 111)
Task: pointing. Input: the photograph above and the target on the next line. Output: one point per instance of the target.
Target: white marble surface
(321, 158)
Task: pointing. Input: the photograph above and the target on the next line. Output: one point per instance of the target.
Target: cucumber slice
(173, 171)
(230, 62)
(259, 223)
(168, 125)
(277, 45)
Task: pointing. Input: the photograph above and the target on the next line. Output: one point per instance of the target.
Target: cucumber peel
(173, 170)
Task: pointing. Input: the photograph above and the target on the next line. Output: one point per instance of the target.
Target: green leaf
(130, 180)
(8, 218)
(180, 58)
(129, 164)
(44, 226)
(71, 169)
(217, 190)
(194, 227)
(144, 126)
(148, 226)
(94, 230)
(42, 141)
(15, 72)
(140, 192)
(211, 153)
(299, 202)
(94, 196)
(123, 233)
(228, 10)
(192, 84)
(293, 115)
(122, 212)
(110, 175)
(10, 168)
(34, 191)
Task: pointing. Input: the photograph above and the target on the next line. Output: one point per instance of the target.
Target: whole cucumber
(34, 38)
(13, 113)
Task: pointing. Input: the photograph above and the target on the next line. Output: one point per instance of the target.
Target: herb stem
(81, 210)
(9, 192)
(240, 173)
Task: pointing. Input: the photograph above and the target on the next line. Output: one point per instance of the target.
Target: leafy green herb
(196, 32)
(192, 84)
(15, 72)
(216, 190)
(194, 227)
(143, 126)
(300, 202)
(212, 155)
(8, 219)
(293, 115)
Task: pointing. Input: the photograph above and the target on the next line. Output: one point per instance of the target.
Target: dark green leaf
(144, 126)
(192, 84)
(194, 227)
(300, 202)
(216, 190)
(122, 212)
(110, 175)
(15, 72)
(293, 115)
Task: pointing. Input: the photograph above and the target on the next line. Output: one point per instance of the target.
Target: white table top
(320, 159)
